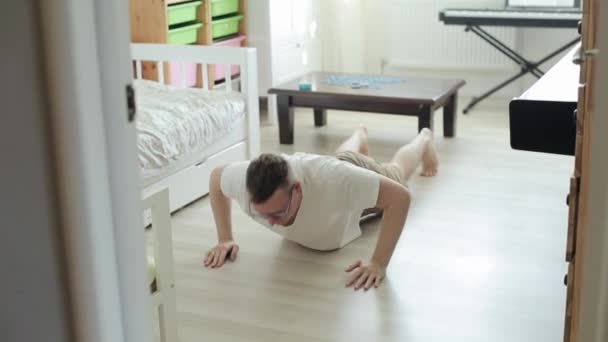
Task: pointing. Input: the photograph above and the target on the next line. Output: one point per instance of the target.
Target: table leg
(425, 118)
(272, 109)
(320, 117)
(450, 117)
(285, 114)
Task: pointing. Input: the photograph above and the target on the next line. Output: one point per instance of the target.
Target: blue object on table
(359, 82)
(305, 86)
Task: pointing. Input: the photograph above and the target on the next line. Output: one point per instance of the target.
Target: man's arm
(221, 206)
(394, 199)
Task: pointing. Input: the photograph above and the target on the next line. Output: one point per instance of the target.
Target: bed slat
(160, 66)
(182, 71)
(205, 76)
(228, 77)
(138, 72)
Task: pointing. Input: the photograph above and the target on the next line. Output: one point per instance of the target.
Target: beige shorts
(389, 170)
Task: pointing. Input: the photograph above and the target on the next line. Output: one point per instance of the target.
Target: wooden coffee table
(412, 96)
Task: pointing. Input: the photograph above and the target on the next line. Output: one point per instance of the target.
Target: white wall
(361, 35)
(537, 43)
(32, 287)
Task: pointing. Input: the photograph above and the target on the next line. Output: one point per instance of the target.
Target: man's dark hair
(265, 175)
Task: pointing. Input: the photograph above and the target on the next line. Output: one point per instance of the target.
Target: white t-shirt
(335, 193)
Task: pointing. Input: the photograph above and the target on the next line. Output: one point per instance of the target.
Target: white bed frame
(192, 182)
(163, 299)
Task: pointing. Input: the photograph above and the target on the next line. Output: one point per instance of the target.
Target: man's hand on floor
(365, 275)
(220, 253)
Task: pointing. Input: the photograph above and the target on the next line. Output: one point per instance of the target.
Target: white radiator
(416, 38)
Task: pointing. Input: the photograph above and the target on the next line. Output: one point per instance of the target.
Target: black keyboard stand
(526, 65)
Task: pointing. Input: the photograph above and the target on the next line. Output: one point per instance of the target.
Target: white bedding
(175, 123)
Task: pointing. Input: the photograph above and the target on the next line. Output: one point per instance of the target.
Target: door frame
(86, 49)
(593, 318)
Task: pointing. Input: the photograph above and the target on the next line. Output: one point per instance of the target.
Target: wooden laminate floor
(481, 257)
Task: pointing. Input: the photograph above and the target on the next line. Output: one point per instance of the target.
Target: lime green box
(226, 27)
(183, 12)
(185, 34)
(224, 7)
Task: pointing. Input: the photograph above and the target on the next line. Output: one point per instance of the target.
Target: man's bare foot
(430, 162)
(357, 142)
(364, 146)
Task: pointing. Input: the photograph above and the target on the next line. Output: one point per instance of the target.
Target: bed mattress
(174, 125)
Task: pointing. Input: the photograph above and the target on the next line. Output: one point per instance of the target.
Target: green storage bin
(183, 13)
(224, 7)
(226, 27)
(185, 34)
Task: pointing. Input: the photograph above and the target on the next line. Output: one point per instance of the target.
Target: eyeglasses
(277, 215)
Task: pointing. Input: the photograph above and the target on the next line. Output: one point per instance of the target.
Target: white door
(87, 51)
(295, 38)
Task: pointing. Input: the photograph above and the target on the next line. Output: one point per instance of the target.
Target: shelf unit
(149, 22)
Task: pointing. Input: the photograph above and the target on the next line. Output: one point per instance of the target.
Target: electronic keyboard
(511, 17)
